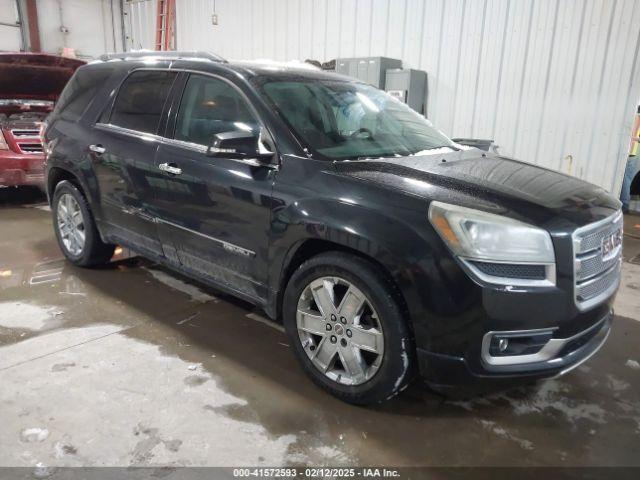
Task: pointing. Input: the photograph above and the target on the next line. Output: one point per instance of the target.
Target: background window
(79, 92)
(141, 99)
(210, 106)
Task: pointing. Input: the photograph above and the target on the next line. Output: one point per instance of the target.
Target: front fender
(405, 245)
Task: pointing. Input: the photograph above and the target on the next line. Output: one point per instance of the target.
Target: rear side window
(141, 99)
(210, 106)
(81, 89)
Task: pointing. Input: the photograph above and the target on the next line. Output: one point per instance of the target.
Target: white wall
(140, 24)
(554, 82)
(91, 31)
(10, 38)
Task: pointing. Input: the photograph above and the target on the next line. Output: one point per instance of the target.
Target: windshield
(343, 120)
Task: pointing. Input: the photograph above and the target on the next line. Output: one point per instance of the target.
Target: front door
(218, 212)
(123, 148)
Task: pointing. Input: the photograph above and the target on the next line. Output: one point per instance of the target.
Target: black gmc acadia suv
(388, 250)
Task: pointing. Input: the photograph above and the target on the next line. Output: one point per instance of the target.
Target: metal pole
(113, 28)
(122, 27)
(24, 34)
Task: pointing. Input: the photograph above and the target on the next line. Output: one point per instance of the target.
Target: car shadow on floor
(27, 196)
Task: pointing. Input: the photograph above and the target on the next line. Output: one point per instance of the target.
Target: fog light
(518, 343)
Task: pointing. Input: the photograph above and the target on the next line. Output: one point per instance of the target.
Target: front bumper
(445, 372)
(21, 169)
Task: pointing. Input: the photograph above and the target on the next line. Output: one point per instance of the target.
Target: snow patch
(633, 364)
(34, 435)
(26, 316)
(195, 293)
(502, 433)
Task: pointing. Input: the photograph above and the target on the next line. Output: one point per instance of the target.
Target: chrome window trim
(109, 127)
(576, 248)
(549, 281)
(546, 353)
(252, 162)
(196, 147)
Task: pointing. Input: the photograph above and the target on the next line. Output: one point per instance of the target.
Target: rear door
(217, 210)
(123, 148)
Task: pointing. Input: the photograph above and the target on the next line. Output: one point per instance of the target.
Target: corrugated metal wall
(10, 35)
(93, 26)
(554, 82)
(140, 24)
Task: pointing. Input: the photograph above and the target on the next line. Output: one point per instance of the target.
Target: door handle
(170, 168)
(99, 149)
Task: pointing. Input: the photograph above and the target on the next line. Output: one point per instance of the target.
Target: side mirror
(238, 144)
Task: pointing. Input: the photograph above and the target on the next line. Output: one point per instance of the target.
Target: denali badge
(239, 250)
(610, 245)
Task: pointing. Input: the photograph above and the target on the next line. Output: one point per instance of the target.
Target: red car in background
(30, 83)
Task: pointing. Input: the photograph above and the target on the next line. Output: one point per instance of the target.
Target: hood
(36, 76)
(487, 181)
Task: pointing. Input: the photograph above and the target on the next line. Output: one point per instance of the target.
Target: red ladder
(165, 21)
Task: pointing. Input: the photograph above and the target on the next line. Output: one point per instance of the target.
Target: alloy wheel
(71, 224)
(340, 331)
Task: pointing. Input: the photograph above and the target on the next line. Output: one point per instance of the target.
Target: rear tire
(75, 228)
(365, 357)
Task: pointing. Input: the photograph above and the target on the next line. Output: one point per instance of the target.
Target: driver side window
(210, 106)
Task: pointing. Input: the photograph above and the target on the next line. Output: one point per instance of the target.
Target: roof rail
(162, 54)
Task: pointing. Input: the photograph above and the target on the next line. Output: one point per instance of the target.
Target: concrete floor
(132, 365)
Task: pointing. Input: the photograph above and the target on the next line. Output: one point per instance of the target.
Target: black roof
(207, 61)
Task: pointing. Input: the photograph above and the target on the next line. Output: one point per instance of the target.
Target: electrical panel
(371, 70)
(408, 86)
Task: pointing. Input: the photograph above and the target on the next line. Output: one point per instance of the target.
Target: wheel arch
(57, 175)
(311, 247)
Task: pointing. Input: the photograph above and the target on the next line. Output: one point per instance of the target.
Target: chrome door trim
(230, 247)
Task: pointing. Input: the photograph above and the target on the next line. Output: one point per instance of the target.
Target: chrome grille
(595, 277)
(31, 147)
(592, 264)
(26, 133)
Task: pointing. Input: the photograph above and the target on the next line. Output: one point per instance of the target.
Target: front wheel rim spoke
(322, 291)
(324, 355)
(79, 238)
(369, 340)
(353, 363)
(311, 323)
(351, 304)
(77, 218)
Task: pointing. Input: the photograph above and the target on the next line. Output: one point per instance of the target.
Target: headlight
(481, 239)
(3, 142)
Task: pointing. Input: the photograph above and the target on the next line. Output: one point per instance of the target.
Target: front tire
(75, 228)
(347, 328)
